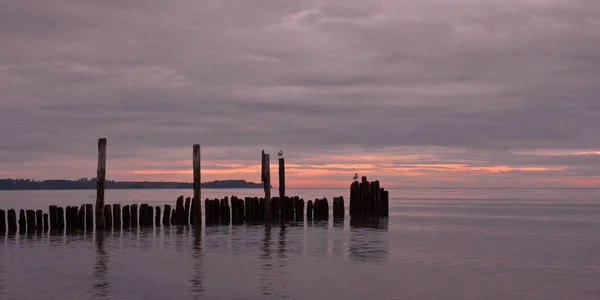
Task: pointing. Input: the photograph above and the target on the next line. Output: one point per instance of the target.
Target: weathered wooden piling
(142, 215)
(89, 217)
(46, 222)
(299, 209)
(149, 215)
(100, 181)
(72, 222)
(186, 211)
(221, 212)
(167, 216)
(12, 221)
(39, 223)
(266, 179)
(60, 215)
(173, 219)
(157, 216)
(108, 217)
(52, 211)
(247, 210)
(317, 209)
(30, 213)
(179, 211)
(22, 221)
(309, 210)
(386, 204)
(144, 220)
(126, 217)
(281, 178)
(292, 207)
(261, 209)
(197, 207)
(353, 198)
(2, 221)
(215, 211)
(80, 218)
(192, 212)
(134, 215)
(68, 221)
(257, 209)
(237, 211)
(338, 208)
(116, 210)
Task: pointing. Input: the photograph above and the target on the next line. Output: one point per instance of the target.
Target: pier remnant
(39, 220)
(22, 221)
(52, 210)
(196, 217)
(116, 210)
(30, 213)
(134, 215)
(126, 217)
(89, 217)
(368, 199)
(266, 179)
(2, 221)
(100, 178)
(167, 216)
(157, 216)
(282, 183)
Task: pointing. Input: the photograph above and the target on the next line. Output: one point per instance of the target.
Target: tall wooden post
(282, 184)
(197, 211)
(100, 177)
(266, 178)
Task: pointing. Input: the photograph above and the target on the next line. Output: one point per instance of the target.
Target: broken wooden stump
(157, 216)
(167, 216)
(39, 223)
(134, 215)
(126, 217)
(22, 221)
(2, 221)
(116, 212)
(30, 214)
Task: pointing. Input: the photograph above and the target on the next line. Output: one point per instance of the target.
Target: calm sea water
(437, 244)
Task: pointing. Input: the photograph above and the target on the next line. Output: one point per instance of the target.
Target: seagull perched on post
(280, 153)
(355, 177)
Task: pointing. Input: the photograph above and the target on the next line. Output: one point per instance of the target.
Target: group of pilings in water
(367, 200)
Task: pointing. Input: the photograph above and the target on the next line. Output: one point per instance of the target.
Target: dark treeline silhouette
(84, 184)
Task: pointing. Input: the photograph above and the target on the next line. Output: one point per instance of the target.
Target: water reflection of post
(266, 284)
(198, 276)
(281, 256)
(101, 268)
(5, 244)
(366, 244)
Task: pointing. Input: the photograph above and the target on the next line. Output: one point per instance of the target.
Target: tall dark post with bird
(266, 179)
(281, 175)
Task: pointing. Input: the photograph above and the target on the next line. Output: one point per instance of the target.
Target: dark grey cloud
(487, 77)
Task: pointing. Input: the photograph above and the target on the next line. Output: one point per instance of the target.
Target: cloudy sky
(419, 93)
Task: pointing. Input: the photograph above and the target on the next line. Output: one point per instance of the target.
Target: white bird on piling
(355, 177)
(280, 153)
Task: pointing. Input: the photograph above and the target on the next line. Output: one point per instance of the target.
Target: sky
(414, 93)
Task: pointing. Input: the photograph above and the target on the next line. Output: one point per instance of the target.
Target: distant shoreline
(90, 184)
